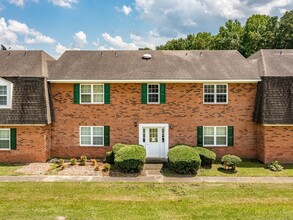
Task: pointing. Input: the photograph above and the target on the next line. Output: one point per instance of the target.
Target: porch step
(153, 166)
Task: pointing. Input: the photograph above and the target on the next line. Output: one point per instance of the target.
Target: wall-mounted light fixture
(170, 126)
(135, 124)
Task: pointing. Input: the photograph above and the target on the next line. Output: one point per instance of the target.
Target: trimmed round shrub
(130, 158)
(230, 161)
(110, 157)
(183, 159)
(117, 147)
(207, 156)
(275, 166)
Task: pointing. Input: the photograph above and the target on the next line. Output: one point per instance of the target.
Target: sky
(58, 25)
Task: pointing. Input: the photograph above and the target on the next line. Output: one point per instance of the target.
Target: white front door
(154, 137)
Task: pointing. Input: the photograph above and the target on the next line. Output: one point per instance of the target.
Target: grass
(8, 169)
(145, 201)
(246, 168)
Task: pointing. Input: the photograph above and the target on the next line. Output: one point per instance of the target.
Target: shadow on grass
(11, 164)
(168, 172)
(227, 171)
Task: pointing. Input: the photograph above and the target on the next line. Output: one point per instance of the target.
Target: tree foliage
(259, 32)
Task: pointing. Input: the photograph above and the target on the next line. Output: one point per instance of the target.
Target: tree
(285, 35)
(229, 36)
(259, 33)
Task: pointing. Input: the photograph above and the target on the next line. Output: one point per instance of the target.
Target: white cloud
(173, 18)
(118, 43)
(18, 27)
(7, 37)
(64, 3)
(19, 3)
(60, 49)
(79, 39)
(125, 9)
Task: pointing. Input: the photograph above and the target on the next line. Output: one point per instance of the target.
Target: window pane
(4, 134)
(221, 130)
(208, 130)
(221, 140)
(222, 98)
(98, 130)
(163, 135)
(98, 97)
(143, 135)
(98, 141)
(86, 89)
(208, 140)
(86, 140)
(85, 98)
(85, 130)
(3, 90)
(221, 88)
(98, 88)
(209, 98)
(4, 144)
(153, 88)
(209, 89)
(154, 98)
(153, 134)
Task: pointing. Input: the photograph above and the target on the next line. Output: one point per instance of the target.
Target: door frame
(156, 125)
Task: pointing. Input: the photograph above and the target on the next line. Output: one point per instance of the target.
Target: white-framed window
(153, 93)
(92, 93)
(91, 136)
(4, 139)
(215, 93)
(6, 89)
(215, 136)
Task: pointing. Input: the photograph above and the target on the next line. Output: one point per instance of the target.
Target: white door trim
(157, 125)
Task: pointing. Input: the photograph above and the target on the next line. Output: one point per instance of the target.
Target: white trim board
(156, 81)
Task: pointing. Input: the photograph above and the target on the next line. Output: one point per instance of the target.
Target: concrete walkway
(154, 178)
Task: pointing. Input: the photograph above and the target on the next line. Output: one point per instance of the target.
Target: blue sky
(58, 25)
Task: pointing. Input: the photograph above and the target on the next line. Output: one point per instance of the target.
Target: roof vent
(146, 56)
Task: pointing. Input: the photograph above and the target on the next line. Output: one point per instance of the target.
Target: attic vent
(146, 56)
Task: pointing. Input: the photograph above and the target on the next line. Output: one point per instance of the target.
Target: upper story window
(153, 93)
(215, 94)
(5, 93)
(92, 94)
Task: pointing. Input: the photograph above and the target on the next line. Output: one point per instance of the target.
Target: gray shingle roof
(164, 65)
(28, 63)
(274, 62)
(29, 102)
(274, 101)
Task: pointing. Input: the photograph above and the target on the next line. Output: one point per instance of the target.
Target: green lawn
(7, 169)
(145, 201)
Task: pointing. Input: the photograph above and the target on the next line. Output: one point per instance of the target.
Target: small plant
(83, 160)
(60, 162)
(94, 162)
(107, 167)
(230, 162)
(183, 159)
(97, 168)
(110, 157)
(73, 161)
(275, 166)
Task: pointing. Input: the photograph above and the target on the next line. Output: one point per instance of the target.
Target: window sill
(217, 146)
(93, 146)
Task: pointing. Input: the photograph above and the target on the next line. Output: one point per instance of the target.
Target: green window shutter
(107, 93)
(230, 136)
(144, 93)
(106, 135)
(76, 93)
(162, 93)
(13, 138)
(200, 136)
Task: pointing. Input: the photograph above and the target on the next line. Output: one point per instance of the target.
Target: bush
(94, 162)
(110, 157)
(60, 162)
(73, 161)
(83, 160)
(275, 166)
(107, 167)
(183, 159)
(130, 158)
(117, 147)
(230, 161)
(207, 156)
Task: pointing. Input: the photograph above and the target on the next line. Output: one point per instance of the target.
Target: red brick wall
(184, 109)
(33, 145)
(275, 143)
